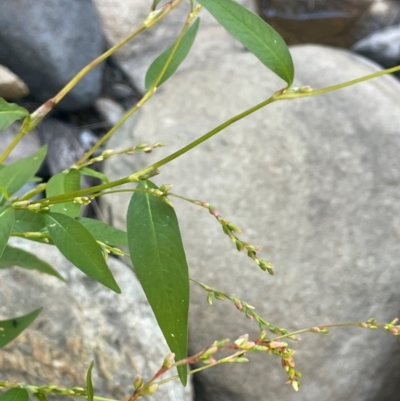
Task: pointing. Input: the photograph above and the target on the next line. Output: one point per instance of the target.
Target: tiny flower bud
(206, 354)
(247, 345)
(165, 188)
(260, 348)
(277, 344)
(240, 359)
(234, 228)
(264, 265)
(210, 298)
(219, 296)
(35, 207)
(239, 245)
(213, 210)
(151, 389)
(138, 383)
(295, 385)
(238, 304)
(209, 361)
(169, 361)
(106, 153)
(221, 343)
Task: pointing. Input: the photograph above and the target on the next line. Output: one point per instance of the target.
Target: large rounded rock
(46, 44)
(316, 184)
(81, 321)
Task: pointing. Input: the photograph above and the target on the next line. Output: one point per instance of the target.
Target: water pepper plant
(152, 230)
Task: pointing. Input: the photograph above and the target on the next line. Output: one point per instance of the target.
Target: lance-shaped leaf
(15, 394)
(255, 34)
(10, 112)
(159, 260)
(89, 383)
(105, 233)
(79, 246)
(18, 257)
(6, 224)
(60, 184)
(15, 175)
(180, 54)
(10, 329)
(28, 221)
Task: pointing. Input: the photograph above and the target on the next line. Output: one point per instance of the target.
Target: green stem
(322, 326)
(144, 99)
(23, 131)
(204, 137)
(288, 95)
(280, 95)
(151, 19)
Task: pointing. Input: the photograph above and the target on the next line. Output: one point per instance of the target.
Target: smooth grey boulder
(81, 321)
(382, 46)
(315, 183)
(47, 43)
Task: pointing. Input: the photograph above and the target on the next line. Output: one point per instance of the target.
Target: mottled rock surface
(316, 184)
(81, 321)
(47, 43)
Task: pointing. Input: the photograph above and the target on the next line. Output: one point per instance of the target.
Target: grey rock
(121, 17)
(46, 44)
(110, 110)
(382, 46)
(64, 147)
(315, 183)
(380, 15)
(11, 87)
(81, 321)
(28, 145)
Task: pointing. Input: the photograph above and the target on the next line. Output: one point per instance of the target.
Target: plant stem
(145, 98)
(288, 95)
(152, 18)
(205, 137)
(22, 132)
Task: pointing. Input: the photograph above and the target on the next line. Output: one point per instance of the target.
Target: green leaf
(18, 257)
(180, 54)
(155, 3)
(105, 233)
(10, 112)
(28, 221)
(93, 173)
(79, 246)
(10, 329)
(15, 394)
(15, 175)
(89, 384)
(160, 263)
(6, 224)
(60, 184)
(255, 34)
